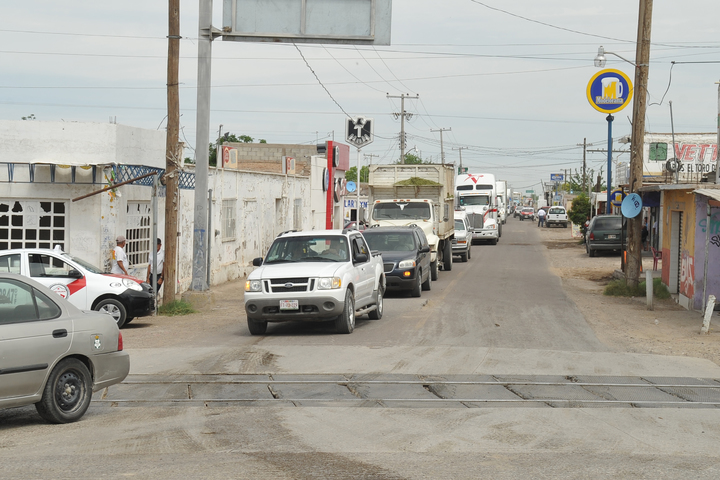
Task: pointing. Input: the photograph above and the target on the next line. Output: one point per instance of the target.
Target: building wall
(713, 248)
(679, 201)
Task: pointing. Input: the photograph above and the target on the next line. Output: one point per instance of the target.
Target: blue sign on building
(557, 177)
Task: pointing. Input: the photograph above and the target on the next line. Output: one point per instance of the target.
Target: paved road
(496, 328)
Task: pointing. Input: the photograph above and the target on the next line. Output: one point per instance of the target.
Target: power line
(320, 82)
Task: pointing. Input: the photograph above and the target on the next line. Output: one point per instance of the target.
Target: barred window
(138, 232)
(229, 207)
(32, 224)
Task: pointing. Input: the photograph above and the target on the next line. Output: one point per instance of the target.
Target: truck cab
(476, 196)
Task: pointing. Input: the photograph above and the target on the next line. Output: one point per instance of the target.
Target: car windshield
(556, 211)
(459, 225)
(529, 210)
(316, 248)
(390, 241)
(474, 200)
(401, 211)
(87, 266)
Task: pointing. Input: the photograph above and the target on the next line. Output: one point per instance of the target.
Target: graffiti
(687, 275)
(199, 280)
(715, 240)
(714, 224)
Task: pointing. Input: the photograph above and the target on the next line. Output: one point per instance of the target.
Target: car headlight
(493, 226)
(407, 264)
(329, 283)
(253, 286)
(132, 284)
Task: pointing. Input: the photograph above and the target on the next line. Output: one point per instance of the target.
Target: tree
(574, 182)
(229, 138)
(351, 174)
(29, 117)
(580, 210)
(411, 159)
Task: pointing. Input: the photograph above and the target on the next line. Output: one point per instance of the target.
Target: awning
(708, 192)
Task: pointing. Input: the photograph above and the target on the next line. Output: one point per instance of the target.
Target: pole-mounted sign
(360, 131)
(609, 91)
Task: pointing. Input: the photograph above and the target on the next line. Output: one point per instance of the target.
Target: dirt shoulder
(625, 324)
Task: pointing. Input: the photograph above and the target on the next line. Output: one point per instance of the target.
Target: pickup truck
(556, 216)
(315, 276)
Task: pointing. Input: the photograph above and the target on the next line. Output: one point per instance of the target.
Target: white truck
(416, 194)
(501, 187)
(317, 275)
(476, 194)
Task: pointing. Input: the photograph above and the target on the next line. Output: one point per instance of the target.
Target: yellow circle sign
(609, 91)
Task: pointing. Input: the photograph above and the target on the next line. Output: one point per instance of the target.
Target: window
(138, 233)
(49, 266)
(31, 224)
(21, 303)
(297, 214)
(10, 263)
(229, 207)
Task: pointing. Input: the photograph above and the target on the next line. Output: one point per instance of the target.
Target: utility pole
(584, 178)
(173, 154)
(717, 147)
(442, 151)
(371, 155)
(460, 149)
(403, 114)
(642, 65)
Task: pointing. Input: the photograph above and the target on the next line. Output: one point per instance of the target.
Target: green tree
(29, 117)
(351, 174)
(229, 138)
(574, 182)
(580, 210)
(411, 159)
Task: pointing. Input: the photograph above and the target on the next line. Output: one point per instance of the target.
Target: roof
(386, 229)
(713, 193)
(674, 186)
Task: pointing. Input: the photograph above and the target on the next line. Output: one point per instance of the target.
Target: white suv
(556, 216)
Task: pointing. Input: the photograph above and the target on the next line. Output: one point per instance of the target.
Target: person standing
(541, 217)
(160, 267)
(119, 258)
(644, 234)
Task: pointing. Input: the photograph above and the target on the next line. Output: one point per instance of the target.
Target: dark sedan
(605, 232)
(406, 257)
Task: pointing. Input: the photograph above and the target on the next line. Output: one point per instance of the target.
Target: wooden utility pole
(642, 66)
(173, 154)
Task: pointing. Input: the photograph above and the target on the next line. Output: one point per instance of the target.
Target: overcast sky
(510, 84)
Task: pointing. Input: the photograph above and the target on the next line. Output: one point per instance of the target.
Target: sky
(507, 78)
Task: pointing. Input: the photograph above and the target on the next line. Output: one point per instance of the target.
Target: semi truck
(501, 186)
(420, 194)
(477, 195)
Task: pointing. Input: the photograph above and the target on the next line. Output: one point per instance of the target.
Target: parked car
(406, 257)
(605, 232)
(84, 285)
(53, 354)
(527, 213)
(462, 243)
(315, 275)
(556, 216)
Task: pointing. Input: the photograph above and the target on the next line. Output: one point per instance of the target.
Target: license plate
(611, 237)
(289, 305)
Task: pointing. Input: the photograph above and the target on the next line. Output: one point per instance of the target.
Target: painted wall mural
(687, 274)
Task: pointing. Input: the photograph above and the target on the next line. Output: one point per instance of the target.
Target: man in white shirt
(119, 258)
(541, 217)
(160, 267)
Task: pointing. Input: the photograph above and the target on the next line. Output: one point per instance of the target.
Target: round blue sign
(350, 186)
(631, 206)
(609, 91)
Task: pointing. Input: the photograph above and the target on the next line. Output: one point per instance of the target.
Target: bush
(618, 288)
(178, 307)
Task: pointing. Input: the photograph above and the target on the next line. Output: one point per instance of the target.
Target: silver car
(52, 354)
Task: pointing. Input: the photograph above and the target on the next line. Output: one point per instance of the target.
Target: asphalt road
(502, 316)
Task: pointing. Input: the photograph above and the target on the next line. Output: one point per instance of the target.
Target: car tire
(434, 271)
(469, 251)
(378, 312)
(417, 286)
(67, 393)
(256, 327)
(565, 225)
(447, 257)
(521, 219)
(427, 284)
(493, 241)
(591, 252)
(115, 308)
(463, 257)
(345, 322)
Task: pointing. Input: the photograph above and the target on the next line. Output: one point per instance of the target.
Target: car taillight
(120, 342)
(592, 236)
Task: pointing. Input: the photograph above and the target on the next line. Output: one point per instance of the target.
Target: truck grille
(476, 220)
(388, 267)
(281, 285)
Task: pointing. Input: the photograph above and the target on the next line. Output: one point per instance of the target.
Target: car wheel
(67, 393)
(377, 313)
(521, 219)
(469, 252)
(591, 252)
(129, 319)
(565, 225)
(345, 323)
(447, 257)
(434, 271)
(415, 292)
(427, 284)
(256, 327)
(463, 257)
(115, 308)
(493, 241)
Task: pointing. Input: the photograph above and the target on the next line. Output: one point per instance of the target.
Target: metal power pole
(442, 150)
(202, 140)
(403, 114)
(717, 147)
(371, 155)
(460, 149)
(584, 177)
(173, 154)
(642, 66)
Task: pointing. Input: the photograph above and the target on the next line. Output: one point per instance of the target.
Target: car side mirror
(257, 261)
(75, 274)
(425, 249)
(361, 258)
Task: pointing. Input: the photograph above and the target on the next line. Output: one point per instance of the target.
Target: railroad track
(412, 391)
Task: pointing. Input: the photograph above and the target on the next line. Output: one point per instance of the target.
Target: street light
(600, 59)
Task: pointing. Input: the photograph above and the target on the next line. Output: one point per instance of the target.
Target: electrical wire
(320, 82)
